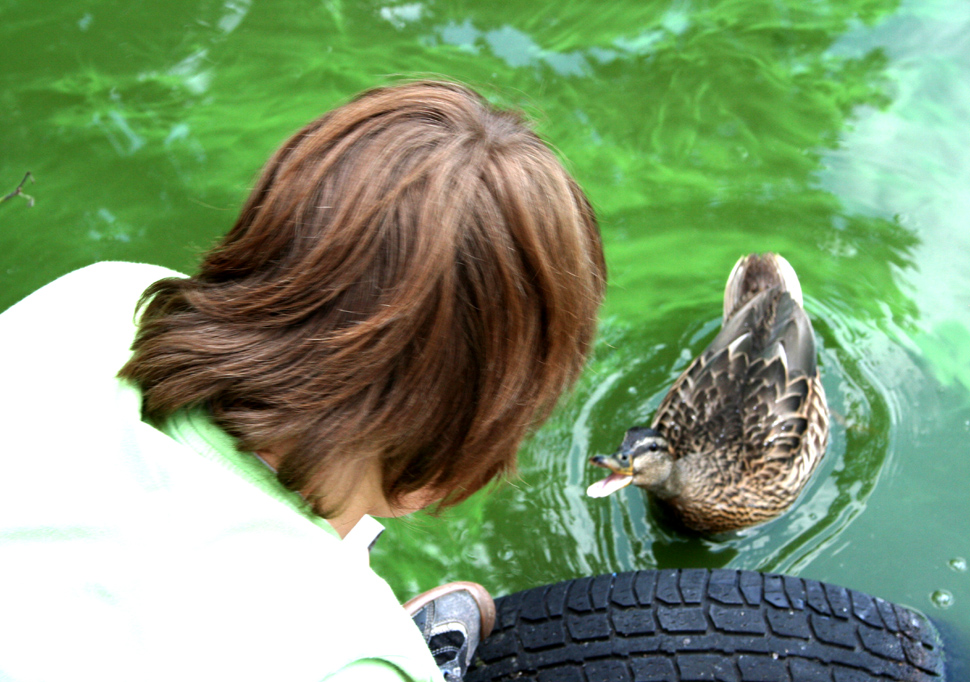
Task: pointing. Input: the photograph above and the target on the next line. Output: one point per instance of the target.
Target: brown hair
(415, 275)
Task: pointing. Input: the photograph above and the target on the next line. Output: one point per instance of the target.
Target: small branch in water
(19, 191)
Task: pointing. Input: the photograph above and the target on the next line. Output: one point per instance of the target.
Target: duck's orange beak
(621, 477)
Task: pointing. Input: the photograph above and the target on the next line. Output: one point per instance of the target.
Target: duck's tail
(756, 273)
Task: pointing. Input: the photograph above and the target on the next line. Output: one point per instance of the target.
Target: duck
(741, 431)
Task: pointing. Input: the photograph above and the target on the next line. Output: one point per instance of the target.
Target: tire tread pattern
(692, 625)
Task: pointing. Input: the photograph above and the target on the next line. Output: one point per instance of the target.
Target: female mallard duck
(743, 428)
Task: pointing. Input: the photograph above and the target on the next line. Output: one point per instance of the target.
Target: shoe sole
(486, 606)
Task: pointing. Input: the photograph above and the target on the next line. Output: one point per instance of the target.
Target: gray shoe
(453, 618)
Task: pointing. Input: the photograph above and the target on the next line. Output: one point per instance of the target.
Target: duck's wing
(785, 416)
(785, 427)
(770, 321)
(690, 416)
(753, 391)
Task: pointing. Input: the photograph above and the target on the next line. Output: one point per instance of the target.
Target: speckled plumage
(747, 423)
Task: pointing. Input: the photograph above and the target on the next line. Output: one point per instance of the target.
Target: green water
(833, 131)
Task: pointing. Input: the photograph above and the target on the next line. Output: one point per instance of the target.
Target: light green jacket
(128, 554)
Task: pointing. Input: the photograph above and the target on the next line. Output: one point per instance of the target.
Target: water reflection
(908, 162)
(234, 11)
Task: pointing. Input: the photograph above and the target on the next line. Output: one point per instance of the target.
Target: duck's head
(644, 459)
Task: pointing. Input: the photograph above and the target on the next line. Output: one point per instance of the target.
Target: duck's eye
(654, 447)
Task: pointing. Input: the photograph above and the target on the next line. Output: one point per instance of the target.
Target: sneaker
(453, 618)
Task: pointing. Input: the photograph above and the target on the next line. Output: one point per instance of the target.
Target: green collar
(195, 429)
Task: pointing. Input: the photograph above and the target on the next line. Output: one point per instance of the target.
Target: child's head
(415, 278)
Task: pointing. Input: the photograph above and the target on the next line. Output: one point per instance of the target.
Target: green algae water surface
(832, 131)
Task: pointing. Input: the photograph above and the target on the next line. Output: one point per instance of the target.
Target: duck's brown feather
(748, 419)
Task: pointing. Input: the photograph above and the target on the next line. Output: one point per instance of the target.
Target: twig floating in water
(20, 191)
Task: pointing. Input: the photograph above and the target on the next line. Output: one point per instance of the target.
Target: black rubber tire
(685, 625)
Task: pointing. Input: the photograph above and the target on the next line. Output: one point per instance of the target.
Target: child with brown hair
(410, 287)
